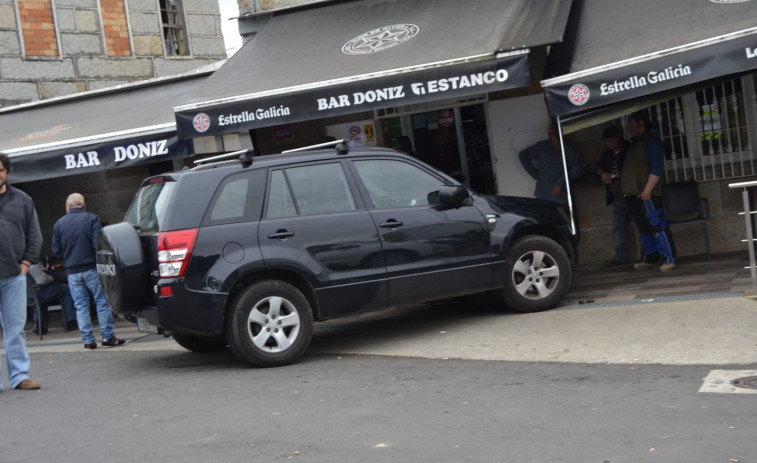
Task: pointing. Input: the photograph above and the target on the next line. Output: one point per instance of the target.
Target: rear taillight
(174, 251)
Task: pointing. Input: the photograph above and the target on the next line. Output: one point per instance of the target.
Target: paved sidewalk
(717, 330)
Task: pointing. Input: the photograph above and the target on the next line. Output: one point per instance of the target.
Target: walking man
(19, 248)
(75, 240)
(641, 184)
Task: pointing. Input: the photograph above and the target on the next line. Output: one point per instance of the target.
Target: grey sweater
(20, 237)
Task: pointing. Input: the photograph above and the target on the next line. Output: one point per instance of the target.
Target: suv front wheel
(538, 274)
(270, 324)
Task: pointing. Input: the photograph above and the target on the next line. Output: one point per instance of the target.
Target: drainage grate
(750, 382)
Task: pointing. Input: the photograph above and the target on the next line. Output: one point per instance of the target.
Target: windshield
(148, 207)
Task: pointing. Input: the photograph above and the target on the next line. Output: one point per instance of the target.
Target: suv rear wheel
(538, 274)
(270, 324)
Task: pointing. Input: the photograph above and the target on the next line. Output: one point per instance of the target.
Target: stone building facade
(50, 48)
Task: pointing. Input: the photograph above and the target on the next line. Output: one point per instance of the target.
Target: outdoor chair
(683, 206)
(33, 304)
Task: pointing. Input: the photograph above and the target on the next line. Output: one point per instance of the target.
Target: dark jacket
(75, 240)
(607, 161)
(20, 237)
(645, 156)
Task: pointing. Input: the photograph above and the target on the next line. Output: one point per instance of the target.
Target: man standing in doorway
(609, 168)
(543, 162)
(19, 249)
(75, 240)
(641, 184)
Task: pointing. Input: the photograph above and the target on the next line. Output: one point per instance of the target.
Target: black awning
(360, 55)
(625, 50)
(118, 127)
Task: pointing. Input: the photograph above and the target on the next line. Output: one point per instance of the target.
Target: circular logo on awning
(201, 122)
(380, 39)
(578, 94)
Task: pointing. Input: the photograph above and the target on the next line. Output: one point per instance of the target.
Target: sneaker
(28, 385)
(113, 342)
(91, 346)
(614, 262)
(644, 265)
(666, 267)
(71, 325)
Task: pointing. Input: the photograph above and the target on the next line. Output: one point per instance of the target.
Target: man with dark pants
(609, 168)
(75, 239)
(641, 184)
(19, 248)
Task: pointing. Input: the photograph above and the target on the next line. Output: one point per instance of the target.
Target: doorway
(455, 140)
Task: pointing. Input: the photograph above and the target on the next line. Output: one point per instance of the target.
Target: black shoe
(72, 325)
(113, 342)
(614, 262)
(35, 328)
(92, 346)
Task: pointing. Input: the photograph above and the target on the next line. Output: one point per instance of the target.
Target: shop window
(174, 28)
(708, 134)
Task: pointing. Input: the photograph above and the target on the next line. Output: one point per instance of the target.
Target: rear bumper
(196, 312)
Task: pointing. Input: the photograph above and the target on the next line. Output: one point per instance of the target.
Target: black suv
(249, 252)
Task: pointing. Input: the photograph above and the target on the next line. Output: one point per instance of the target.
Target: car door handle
(281, 235)
(391, 224)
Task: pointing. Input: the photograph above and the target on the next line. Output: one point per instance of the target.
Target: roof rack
(341, 147)
(243, 155)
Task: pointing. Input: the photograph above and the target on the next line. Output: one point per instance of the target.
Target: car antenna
(341, 147)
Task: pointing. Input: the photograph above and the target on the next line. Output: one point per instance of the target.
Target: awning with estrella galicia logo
(93, 131)
(616, 51)
(342, 57)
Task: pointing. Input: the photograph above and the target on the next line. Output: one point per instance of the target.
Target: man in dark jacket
(609, 168)
(75, 240)
(19, 248)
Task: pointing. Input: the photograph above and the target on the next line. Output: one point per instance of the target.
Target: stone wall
(100, 45)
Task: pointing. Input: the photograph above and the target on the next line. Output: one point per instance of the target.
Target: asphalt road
(134, 406)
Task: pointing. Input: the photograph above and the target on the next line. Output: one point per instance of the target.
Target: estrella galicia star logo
(201, 122)
(578, 94)
(380, 39)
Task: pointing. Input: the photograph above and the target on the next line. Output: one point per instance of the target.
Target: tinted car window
(149, 205)
(280, 202)
(320, 189)
(316, 189)
(238, 198)
(396, 184)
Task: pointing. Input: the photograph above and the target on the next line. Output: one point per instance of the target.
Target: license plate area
(146, 327)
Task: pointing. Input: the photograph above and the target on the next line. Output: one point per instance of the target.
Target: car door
(312, 225)
(431, 250)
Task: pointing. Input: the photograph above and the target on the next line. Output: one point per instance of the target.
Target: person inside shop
(75, 240)
(49, 291)
(404, 145)
(641, 184)
(19, 248)
(609, 168)
(543, 162)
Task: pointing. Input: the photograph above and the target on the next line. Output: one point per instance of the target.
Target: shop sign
(357, 96)
(653, 76)
(96, 157)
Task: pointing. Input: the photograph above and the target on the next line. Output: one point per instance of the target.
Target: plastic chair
(32, 301)
(683, 206)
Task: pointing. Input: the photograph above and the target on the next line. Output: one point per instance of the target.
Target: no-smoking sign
(446, 117)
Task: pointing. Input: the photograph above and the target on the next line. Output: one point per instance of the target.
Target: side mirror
(453, 195)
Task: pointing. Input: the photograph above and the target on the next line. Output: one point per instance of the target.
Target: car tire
(270, 324)
(120, 266)
(538, 275)
(199, 344)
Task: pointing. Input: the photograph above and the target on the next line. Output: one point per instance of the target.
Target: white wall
(514, 124)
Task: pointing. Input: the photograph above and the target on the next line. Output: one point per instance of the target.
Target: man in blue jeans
(19, 248)
(75, 240)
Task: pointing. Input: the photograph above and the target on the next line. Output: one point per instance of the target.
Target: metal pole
(567, 178)
(750, 236)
